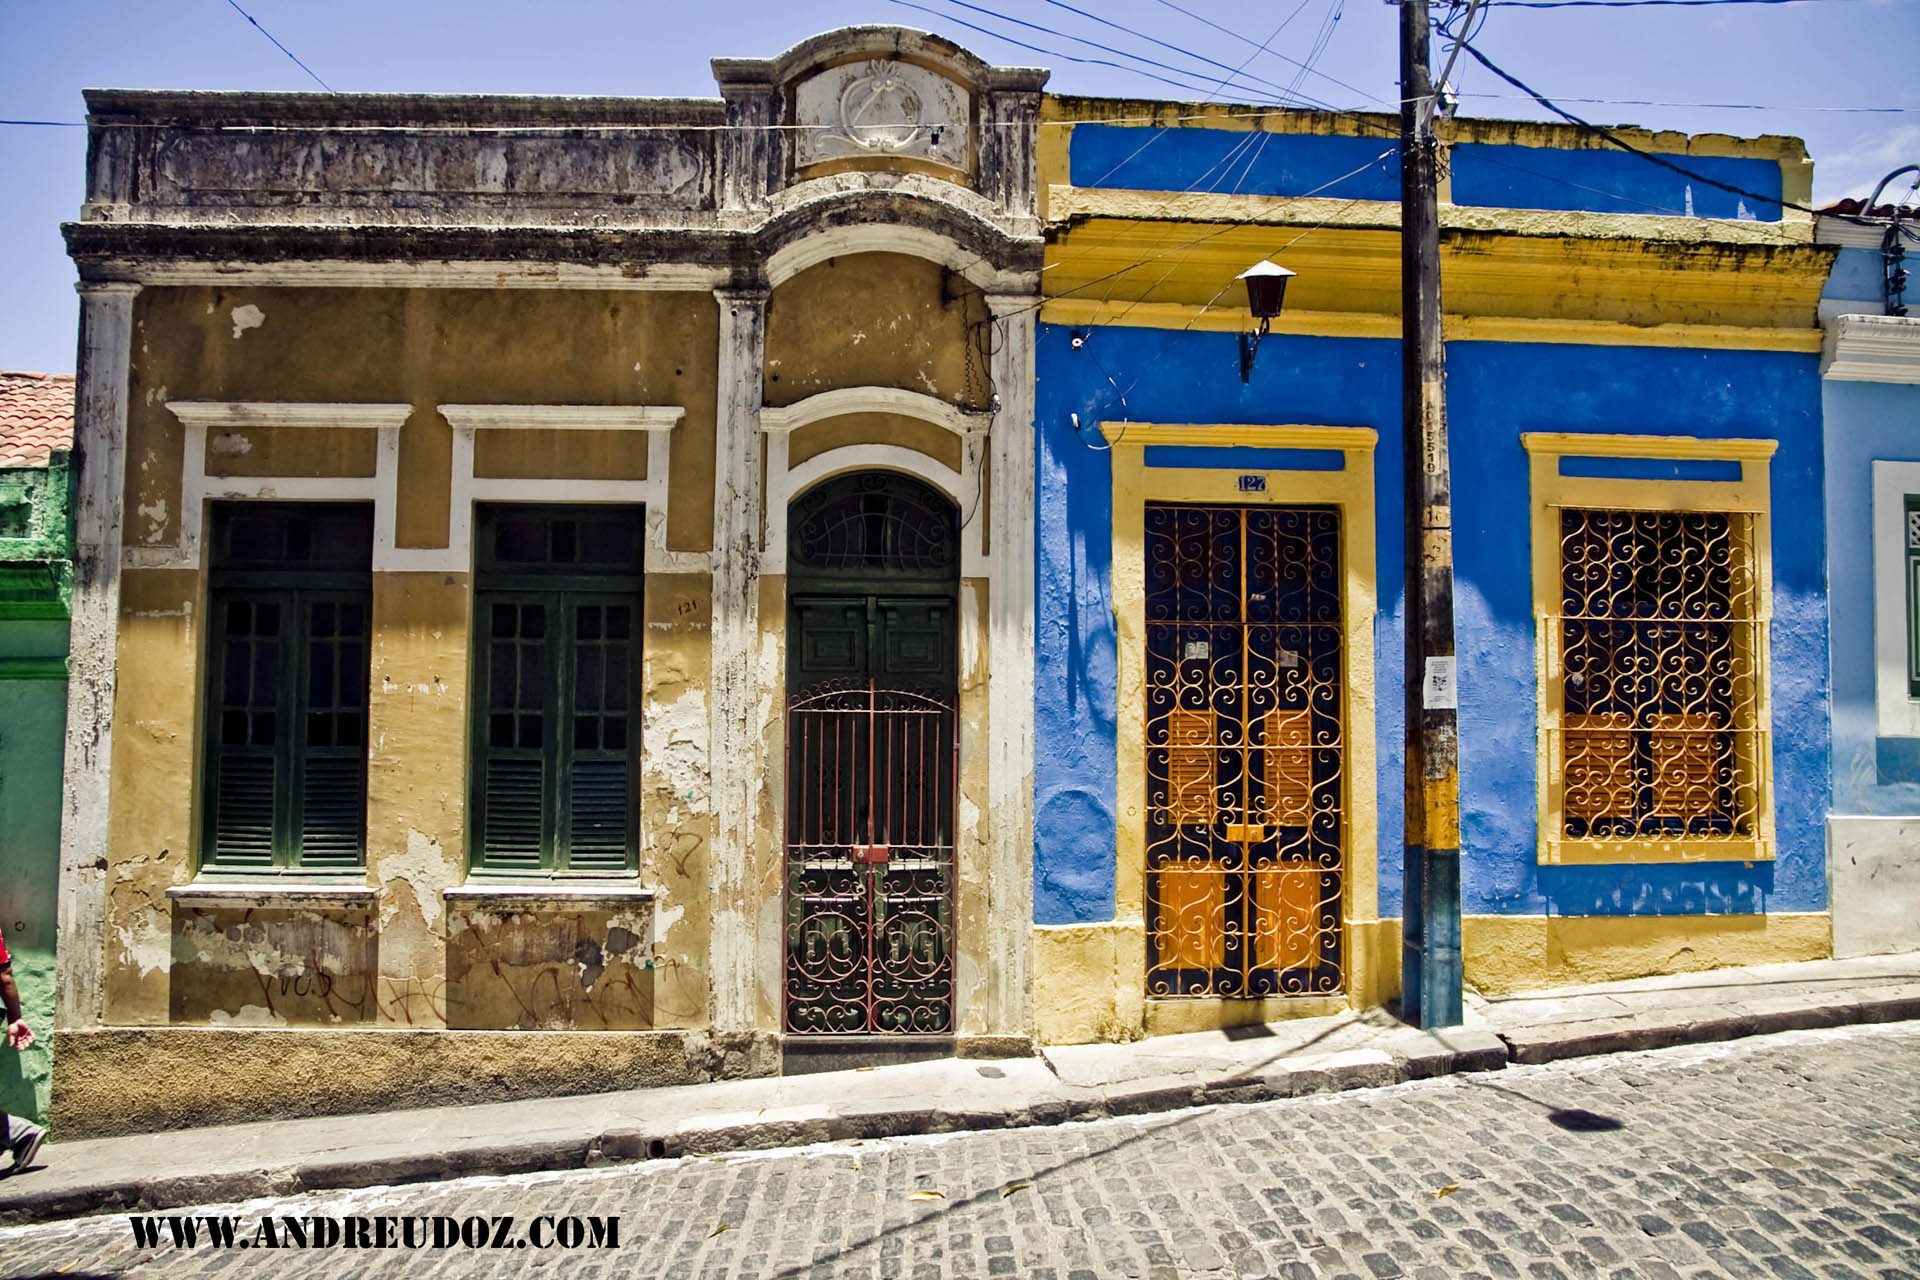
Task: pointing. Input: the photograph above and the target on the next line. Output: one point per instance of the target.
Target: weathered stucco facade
(702, 309)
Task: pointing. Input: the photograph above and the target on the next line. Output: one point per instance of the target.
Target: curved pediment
(893, 99)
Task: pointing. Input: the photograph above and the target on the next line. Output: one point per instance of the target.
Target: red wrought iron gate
(870, 789)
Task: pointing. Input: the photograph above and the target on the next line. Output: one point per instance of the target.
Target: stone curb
(1418, 1058)
(1530, 1046)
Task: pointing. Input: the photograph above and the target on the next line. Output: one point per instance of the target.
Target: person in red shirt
(21, 1137)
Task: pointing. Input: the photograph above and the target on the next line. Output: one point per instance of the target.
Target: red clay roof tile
(36, 417)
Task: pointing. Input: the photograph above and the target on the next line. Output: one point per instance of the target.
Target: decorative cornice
(231, 414)
(1610, 445)
(1867, 348)
(844, 400)
(1138, 435)
(563, 417)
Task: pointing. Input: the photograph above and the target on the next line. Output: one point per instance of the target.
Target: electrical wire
(1609, 135)
(1703, 106)
(1632, 4)
(1232, 72)
(282, 48)
(1034, 48)
(1244, 39)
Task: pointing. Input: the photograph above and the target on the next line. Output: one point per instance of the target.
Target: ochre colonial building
(476, 490)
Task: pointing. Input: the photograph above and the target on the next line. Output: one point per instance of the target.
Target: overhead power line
(1207, 78)
(1249, 40)
(1633, 4)
(1609, 135)
(1034, 48)
(1233, 73)
(282, 48)
(1704, 106)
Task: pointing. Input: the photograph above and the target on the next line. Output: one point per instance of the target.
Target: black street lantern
(1266, 292)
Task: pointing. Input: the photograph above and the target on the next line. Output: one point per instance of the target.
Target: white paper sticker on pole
(1439, 693)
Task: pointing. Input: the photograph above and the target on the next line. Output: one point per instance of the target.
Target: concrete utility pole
(1430, 957)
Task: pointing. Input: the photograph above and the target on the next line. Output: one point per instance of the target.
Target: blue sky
(1823, 53)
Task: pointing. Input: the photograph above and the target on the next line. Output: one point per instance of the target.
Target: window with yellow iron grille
(1658, 648)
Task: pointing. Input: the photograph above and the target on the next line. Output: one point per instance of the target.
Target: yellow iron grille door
(1245, 751)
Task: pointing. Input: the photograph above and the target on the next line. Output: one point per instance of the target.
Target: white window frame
(1897, 712)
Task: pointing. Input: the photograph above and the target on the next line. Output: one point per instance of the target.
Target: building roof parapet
(221, 109)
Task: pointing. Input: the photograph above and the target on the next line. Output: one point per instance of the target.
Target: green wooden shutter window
(287, 687)
(556, 611)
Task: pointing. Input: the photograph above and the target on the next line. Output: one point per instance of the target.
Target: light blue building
(1870, 395)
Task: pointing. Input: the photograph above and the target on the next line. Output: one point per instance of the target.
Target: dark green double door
(872, 760)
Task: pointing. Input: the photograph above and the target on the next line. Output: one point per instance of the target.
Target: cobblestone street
(1794, 1156)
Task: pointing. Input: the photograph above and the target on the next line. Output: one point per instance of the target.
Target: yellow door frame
(1372, 966)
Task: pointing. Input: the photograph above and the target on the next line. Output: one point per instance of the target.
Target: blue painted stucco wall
(1495, 392)
(1368, 168)
(1865, 422)
(1859, 275)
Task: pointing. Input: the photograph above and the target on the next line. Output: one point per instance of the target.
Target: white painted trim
(661, 278)
(100, 440)
(240, 414)
(785, 483)
(382, 488)
(878, 237)
(612, 893)
(845, 400)
(1898, 715)
(1010, 652)
(563, 417)
(1870, 348)
(734, 742)
(266, 892)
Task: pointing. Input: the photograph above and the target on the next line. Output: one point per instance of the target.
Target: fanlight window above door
(874, 522)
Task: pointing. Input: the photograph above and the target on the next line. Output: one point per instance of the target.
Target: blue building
(1870, 394)
(1634, 397)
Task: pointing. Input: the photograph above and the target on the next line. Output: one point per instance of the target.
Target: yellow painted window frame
(1550, 491)
(1351, 490)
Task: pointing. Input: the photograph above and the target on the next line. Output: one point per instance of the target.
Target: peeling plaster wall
(245, 967)
(422, 347)
(676, 794)
(877, 320)
(416, 783)
(550, 970)
(150, 815)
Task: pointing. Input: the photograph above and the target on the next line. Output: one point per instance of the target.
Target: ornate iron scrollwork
(1245, 751)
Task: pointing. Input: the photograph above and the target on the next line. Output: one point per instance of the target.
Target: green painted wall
(34, 584)
(33, 717)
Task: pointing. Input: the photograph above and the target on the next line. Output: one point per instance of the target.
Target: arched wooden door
(872, 757)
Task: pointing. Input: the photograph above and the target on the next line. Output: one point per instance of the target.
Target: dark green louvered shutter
(332, 754)
(600, 765)
(515, 755)
(556, 658)
(245, 726)
(286, 727)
